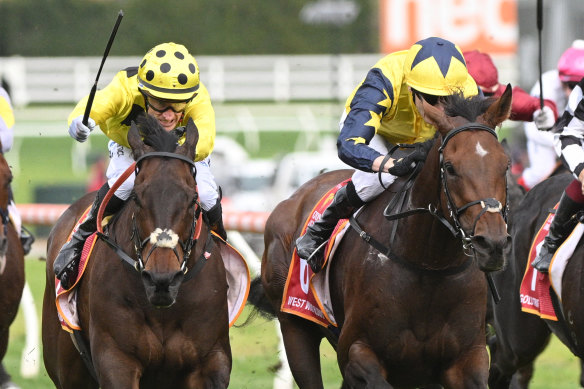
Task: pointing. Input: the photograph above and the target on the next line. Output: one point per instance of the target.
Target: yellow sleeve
(202, 113)
(6, 112)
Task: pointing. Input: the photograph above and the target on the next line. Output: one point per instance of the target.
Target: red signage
(487, 25)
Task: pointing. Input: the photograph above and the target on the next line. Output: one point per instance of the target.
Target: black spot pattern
(149, 75)
(179, 55)
(192, 68)
(161, 53)
(165, 67)
(182, 78)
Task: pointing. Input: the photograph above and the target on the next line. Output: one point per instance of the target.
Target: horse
(11, 269)
(162, 320)
(521, 336)
(411, 310)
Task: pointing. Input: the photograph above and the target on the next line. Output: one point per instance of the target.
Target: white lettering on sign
(487, 25)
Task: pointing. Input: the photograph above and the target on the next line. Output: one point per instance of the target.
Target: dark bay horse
(413, 315)
(11, 267)
(521, 336)
(165, 325)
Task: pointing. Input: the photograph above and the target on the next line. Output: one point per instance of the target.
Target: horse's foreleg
(302, 343)
(215, 372)
(470, 371)
(363, 369)
(4, 376)
(115, 369)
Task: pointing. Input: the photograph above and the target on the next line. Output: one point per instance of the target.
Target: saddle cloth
(535, 286)
(307, 294)
(236, 271)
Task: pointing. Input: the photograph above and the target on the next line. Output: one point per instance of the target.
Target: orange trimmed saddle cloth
(307, 294)
(536, 287)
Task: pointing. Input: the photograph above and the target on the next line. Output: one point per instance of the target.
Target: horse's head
(473, 167)
(166, 211)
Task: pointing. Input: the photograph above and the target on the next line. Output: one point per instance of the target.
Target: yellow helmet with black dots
(169, 72)
(437, 67)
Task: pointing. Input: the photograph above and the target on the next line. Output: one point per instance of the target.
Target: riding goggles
(162, 106)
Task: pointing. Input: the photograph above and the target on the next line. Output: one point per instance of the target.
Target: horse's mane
(469, 108)
(154, 135)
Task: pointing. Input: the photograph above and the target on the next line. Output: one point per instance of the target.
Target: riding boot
(67, 262)
(561, 227)
(215, 220)
(308, 246)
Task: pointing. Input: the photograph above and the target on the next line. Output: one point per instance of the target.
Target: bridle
(139, 263)
(487, 205)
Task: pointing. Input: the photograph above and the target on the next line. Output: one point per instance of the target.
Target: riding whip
(539, 28)
(105, 54)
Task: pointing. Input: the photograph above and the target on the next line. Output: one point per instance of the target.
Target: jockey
(385, 109)
(165, 85)
(569, 143)
(7, 138)
(557, 85)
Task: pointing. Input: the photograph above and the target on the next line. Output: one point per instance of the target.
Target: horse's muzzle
(491, 253)
(162, 288)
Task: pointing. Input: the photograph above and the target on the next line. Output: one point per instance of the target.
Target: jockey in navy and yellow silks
(382, 112)
(165, 85)
(382, 104)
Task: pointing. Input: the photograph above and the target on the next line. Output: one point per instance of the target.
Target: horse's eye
(449, 168)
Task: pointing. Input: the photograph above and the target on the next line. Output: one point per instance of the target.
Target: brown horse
(412, 314)
(11, 267)
(165, 325)
(521, 336)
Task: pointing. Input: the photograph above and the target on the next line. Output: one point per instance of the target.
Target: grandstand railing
(274, 78)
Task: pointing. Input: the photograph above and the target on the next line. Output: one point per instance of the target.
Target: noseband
(160, 238)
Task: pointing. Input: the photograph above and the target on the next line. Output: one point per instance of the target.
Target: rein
(139, 264)
(455, 228)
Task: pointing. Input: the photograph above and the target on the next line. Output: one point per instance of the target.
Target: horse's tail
(257, 297)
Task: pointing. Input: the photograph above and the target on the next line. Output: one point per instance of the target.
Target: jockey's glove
(79, 131)
(407, 164)
(544, 118)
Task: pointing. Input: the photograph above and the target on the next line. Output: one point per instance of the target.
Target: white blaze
(480, 151)
(164, 238)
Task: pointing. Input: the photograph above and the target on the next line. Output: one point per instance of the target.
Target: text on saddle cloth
(307, 294)
(535, 286)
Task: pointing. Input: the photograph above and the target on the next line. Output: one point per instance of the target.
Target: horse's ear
(500, 110)
(135, 141)
(435, 116)
(189, 148)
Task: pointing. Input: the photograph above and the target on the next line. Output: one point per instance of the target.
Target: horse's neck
(120, 225)
(422, 238)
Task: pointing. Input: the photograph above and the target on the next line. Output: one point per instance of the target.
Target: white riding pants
(121, 158)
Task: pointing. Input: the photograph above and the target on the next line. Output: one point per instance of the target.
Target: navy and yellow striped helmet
(169, 72)
(436, 66)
